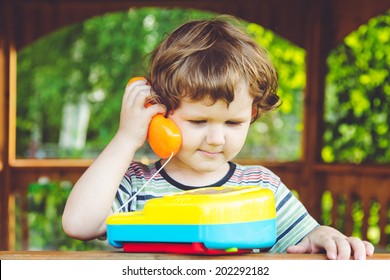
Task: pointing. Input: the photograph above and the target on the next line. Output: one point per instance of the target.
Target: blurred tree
(267, 138)
(46, 202)
(93, 60)
(358, 96)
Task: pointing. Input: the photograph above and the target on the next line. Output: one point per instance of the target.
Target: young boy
(213, 81)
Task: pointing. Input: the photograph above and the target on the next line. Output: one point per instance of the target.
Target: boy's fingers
(369, 248)
(133, 83)
(302, 247)
(330, 247)
(358, 248)
(296, 249)
(137, 94)
(344, 248)
(158, 109)
(137, 85)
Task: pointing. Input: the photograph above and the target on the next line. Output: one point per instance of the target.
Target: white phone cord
(151, 178)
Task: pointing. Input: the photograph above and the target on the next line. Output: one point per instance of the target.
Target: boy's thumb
(302, 247)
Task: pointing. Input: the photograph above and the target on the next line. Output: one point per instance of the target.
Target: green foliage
(326, 208)
(357, 215)
(98, 56)
(267, 137)
(357, 111)
(46, 202)
(373, 232)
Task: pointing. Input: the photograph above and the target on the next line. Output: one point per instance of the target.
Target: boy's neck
(190, 177)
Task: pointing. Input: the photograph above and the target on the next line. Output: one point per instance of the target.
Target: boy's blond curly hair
(207, 59)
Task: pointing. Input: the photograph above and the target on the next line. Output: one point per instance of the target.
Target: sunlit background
(70, 85)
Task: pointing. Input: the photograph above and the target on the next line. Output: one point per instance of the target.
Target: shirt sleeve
(132, 182)
(123, 195)
(293, 222)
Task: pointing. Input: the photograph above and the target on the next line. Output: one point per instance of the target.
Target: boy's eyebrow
(194, 116)
(205, 116)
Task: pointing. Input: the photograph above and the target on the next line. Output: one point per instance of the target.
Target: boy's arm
(334, 243)
(89, 203)
(90, 200)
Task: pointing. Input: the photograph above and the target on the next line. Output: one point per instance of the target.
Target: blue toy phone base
(246, 235)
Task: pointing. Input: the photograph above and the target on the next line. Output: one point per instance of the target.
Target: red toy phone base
(195, 248)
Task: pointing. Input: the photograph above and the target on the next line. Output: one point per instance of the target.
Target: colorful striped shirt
(293, 222)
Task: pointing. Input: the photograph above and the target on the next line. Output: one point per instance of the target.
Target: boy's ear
(254, 111)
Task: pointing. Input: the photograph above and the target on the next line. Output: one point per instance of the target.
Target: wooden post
(317, 45)
(4, 121)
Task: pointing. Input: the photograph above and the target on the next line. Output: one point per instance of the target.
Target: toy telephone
(164, 136)
(213, 220)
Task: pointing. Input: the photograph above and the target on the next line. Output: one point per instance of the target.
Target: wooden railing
(361, 199)
(352, 188)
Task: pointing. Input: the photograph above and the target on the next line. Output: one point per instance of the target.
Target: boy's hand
(135, 118)
(336, 245)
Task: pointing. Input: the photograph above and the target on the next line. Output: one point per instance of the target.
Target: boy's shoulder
(256, 173)
(140, 169)
(255, 169)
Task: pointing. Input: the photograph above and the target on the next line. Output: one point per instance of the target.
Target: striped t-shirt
(292, 220)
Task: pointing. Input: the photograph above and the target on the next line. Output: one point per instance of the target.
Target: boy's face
(212, 134)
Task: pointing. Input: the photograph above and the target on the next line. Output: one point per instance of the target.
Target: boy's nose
(215, 136)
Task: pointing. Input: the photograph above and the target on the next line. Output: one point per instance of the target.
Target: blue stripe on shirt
(283, 201)
(291, 227)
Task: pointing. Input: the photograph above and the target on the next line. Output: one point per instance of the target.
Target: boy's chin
(210, 166)
(200, 163)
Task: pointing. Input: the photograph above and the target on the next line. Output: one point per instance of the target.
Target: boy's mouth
(209, 153)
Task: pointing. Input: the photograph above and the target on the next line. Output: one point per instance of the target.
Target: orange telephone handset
(164, 136)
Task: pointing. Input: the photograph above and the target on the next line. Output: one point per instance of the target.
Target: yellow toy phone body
(218, 217)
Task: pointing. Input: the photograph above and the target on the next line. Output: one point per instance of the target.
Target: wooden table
(119, 255)
(103, 265)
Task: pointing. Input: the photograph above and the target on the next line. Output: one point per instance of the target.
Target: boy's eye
(197, 122)
(233, 123)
